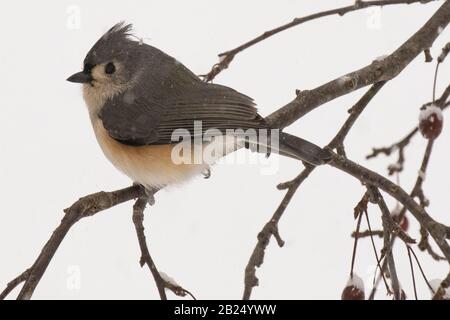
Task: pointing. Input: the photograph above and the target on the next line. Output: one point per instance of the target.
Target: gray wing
(143, 119)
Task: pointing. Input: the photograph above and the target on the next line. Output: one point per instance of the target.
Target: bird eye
(110, 68)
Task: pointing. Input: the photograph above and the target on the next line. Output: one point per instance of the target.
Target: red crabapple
(354, 290)
(431, 122)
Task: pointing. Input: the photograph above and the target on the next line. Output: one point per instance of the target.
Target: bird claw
(207, 173)
(150, 196)
(149, 193)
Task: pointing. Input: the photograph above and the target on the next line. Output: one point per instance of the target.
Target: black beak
(80, 77)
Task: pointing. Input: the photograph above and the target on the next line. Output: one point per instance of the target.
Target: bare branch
(377, 71)
(403, 143)
(146, 259)
(424, 245)
(420, 267)
(358, 213)
(228, 56)
(394, 226)
(367, 233)
(412, 271)
(444, 53)
(84, 207)
(428, 56)
(14, 283)
(398, 146)
(355, 111)
(387, 246)
(368, 177)
(270, 229)
(178, 290)
(440, 293)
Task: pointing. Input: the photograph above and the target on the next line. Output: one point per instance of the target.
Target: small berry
(354, 290)
(431, 122)
(404, 224)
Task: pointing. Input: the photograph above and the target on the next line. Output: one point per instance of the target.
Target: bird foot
(150, 196)
(207, 173)
(149, 193)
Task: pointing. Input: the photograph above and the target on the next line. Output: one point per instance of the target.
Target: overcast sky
(203, 232)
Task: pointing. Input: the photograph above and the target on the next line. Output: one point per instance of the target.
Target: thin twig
(355, 112)
(358, 215)
(378, 280)
(14, 283)
(412, 271)
(417, 189)
(368, 177)
(305, 102)
(428, 57)
(378, 261)
(402, 212)
(367, 233)
(440, 293)
(444, 53)
(146, 259)
(435, 80)
(227, 56)
(420, 268)
(387, 246)
(85, 207)
(377, 71)
(424, 245)
(398, 146)
(271, 227)
(178, 290)
(403, 143)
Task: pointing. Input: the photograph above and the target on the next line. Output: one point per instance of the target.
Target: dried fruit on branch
(431, 122)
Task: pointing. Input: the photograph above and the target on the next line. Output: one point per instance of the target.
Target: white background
(202, 233)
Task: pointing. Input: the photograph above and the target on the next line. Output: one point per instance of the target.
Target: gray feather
(166, 96)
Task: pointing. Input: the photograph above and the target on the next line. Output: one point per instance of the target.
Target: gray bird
(138, 96)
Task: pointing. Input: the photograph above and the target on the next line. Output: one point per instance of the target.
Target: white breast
(151, 166)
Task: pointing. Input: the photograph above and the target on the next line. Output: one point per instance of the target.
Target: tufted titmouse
(138, 96)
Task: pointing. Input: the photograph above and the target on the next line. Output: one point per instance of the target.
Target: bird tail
(300, 149)
(287, 145)
(292, 146)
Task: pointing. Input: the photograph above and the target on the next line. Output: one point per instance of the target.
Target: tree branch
(14, 283)
(367, 233)
(270, 229)
(440, 293)
(306, 101)
(146, 259)
(403, 143)
(377, 71)
(84, 207)
(387, 247)
(368, 177)
(227, 57)
(257, 257)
